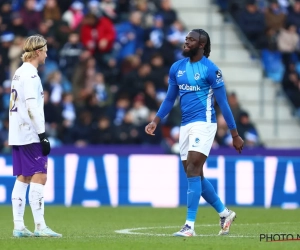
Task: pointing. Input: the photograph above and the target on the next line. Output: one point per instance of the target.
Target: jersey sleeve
(215, 77)
(31, 86)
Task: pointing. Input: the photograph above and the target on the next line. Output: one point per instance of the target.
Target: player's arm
(35, 113)
(172, 93)
(31, 96)
(215, 78)
(221, 98)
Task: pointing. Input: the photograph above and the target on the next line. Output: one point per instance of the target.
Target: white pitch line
(131, 230)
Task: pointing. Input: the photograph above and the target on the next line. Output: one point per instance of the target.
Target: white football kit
(26, 86)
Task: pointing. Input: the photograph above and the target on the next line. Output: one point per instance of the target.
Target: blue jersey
(195, 82)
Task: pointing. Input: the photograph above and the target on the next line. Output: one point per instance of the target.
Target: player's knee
(192, 170)
(25, 179)
(39, 178)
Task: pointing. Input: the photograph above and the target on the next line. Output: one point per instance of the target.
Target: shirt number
(14, 96)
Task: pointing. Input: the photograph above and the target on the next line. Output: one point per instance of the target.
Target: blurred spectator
(293, 16)
(130, 37)
(16, 26)
(54, 87)
(176, 37)
(69, 55)
(69, 118)
(147, 10)
(82, 130)
(133, 82)
(103, 133)
(247, 130)
(51, 10)
(252, 23)
(150, 96)
(139, 112)
(154, 37)
(158, 71)
(127, 132)
(74, 15)
(6, 40)
(101, 90)
(234, 105)
(291, 86)
(274, 16)
(288, 43)
(122, 105)
(168, 14)
(108, 8)
(98, 36)
(14, 54)
(5, 13)
(30, 16)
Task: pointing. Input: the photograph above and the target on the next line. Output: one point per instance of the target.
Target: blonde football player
(30, 146)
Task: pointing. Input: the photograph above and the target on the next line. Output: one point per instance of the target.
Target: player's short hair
(207, 47)
(31, 45)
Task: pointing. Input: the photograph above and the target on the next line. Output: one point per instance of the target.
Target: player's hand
(45, 144)
(238, 143)
(150, 128)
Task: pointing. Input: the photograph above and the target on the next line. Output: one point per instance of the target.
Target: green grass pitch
(144, 228)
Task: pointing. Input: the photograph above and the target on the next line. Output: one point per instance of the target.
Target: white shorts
(196, 136)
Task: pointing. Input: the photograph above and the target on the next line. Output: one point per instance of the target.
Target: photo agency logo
(278, 237)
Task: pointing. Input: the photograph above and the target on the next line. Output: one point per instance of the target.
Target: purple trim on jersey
(29, 160)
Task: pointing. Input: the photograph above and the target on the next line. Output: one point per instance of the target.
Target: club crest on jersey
(197, 76)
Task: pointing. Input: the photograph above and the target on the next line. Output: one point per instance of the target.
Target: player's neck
(196, 58)
(35, 63)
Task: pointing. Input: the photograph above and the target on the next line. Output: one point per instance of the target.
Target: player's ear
(201, 45)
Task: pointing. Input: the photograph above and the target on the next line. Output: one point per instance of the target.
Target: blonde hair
(31, 45)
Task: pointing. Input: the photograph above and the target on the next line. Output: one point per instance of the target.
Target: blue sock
(193, 197)
(209, 194)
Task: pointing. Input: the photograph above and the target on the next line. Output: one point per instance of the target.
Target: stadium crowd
(273, 27)
(106, 72)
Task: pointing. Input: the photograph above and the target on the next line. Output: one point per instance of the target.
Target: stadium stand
(107, 69)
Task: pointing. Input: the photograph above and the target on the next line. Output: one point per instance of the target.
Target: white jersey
(26, 84)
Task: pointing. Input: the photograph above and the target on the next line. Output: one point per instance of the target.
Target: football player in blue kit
(198, 81)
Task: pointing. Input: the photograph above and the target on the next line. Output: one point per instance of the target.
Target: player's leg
(18, 196)
(191, 163)
(208, 192)
(210, 196)
(37, 167)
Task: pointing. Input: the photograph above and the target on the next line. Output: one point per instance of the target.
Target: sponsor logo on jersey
(180, 73)
(189, 87)
(34, 76)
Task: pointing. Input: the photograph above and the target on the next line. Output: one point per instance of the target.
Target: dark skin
(193, 166)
